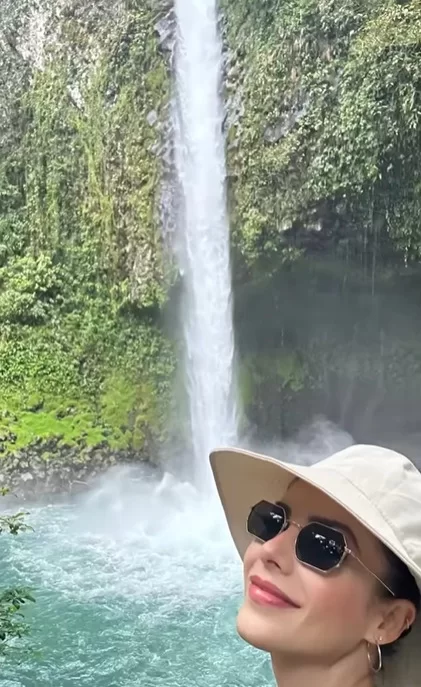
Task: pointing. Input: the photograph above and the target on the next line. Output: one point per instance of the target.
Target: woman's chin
(257, 629)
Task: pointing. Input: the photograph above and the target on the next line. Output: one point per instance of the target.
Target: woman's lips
(267, 594)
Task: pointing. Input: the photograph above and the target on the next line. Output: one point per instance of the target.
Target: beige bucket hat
(378, 486)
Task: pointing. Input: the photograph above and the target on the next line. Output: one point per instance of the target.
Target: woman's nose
(280, 550)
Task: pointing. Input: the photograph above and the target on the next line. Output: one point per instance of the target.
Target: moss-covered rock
(83, 359)
(324, 133)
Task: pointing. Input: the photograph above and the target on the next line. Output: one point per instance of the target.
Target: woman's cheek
(336, 596)
(251, 556)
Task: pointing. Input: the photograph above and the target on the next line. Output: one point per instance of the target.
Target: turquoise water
(137, 585)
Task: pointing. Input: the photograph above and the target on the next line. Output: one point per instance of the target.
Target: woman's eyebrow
(337, 525)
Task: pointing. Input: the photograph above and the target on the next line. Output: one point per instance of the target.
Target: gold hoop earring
(375, 668)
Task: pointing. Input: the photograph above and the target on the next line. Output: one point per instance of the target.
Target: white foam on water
(136, 535)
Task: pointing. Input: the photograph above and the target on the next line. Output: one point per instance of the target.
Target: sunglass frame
(347, 551)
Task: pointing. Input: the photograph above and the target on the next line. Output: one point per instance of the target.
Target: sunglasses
(320, 547)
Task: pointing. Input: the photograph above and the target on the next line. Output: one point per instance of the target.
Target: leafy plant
(12, 625)
(12, 601)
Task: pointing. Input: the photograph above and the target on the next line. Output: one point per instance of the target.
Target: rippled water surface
(137, 585)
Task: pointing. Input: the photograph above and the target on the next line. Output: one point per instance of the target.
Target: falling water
(203, 231)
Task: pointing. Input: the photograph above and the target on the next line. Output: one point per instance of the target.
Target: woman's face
(331, 614)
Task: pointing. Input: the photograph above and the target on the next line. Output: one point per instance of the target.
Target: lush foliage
(81, 270)
(12, 601)
(12, 625)
(326, 151)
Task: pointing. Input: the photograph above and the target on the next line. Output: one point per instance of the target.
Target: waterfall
(203, 231)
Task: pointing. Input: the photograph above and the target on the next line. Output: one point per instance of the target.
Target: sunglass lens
(266, 520)
(320, 546)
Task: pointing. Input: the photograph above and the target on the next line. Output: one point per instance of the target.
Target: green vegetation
(84, 385)
(326, 152)
(82, 276)
(12, 601)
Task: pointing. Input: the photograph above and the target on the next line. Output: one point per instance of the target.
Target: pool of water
(137, 585)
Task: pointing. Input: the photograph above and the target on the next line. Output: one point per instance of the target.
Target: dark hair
(404, 586)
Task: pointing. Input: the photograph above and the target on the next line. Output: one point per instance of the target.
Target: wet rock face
(165, 29)
(29, 29)
(46, 468)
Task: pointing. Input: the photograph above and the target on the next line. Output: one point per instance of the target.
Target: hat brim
(243, 478)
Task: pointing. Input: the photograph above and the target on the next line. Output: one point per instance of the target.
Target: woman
(332, 564)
